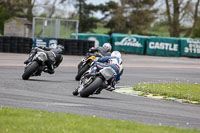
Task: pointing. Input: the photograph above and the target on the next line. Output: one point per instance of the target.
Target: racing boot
(109, 88)
(51, 71)
(50, 68)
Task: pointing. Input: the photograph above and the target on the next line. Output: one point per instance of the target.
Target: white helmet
(116, 54)
(107, 46)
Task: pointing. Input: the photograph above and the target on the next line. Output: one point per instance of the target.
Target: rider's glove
(91, 49)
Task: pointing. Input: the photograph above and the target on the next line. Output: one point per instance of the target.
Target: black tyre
(80, 64)
(30, 70)
(81, 72)
(90, 89)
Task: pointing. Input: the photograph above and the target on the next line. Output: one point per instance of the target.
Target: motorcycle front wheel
(90, 89)
(81, 72)
(80, 64)
(30, 70)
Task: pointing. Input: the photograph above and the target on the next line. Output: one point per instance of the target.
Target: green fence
(160, 46)
(99, 39)
(128, 43)
(190, 47)
(156, 46)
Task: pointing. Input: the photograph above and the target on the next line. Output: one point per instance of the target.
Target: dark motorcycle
(93, 83)
(37, 64)
(86, 63)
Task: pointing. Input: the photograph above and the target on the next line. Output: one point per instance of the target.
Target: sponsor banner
(45, 42)
(129, 43)
(99, 39)
(160, 46)
(190, 47)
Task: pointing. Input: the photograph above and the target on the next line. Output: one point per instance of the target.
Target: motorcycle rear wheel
(30, 70)
(90, 89)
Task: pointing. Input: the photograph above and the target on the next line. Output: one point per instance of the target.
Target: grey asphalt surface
(54, 92)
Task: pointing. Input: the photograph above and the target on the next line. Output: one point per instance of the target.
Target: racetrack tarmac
(54, 92)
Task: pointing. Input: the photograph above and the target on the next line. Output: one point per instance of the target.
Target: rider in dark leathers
(105, 50)
(54, 56)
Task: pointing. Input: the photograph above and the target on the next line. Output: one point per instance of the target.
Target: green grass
(158, 33)
(101, 29)
(29, 121)
(178, 90)
(65, 30)
(162, 33)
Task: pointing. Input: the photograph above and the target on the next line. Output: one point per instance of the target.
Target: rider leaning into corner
(54, 55)
(105, 50)
(114, 61)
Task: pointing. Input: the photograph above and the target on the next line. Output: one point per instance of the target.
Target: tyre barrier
(134, 44)
(12, 44)
(75, 47)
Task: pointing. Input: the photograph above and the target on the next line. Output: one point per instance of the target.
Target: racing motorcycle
(93, 83)
(86, 63)
(37, 64)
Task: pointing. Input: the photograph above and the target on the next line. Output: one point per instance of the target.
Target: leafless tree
(195, 18)
(30, 5)
(176, 11)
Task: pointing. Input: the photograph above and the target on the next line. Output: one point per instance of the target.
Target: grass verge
(29, 121)
(178, 90)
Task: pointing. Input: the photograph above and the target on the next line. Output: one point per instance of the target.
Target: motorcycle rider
(54, 55)
(114, 61)
(105, 50)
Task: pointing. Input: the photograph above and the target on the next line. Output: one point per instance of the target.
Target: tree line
(122, 16)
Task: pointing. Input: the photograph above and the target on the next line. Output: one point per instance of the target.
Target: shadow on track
(105, 98)
(42, 80)
(93, 97)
